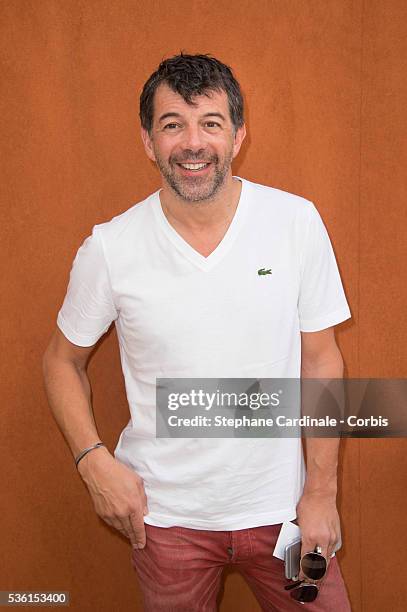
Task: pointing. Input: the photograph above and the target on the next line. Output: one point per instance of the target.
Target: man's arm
(117, 491)
(316, 511)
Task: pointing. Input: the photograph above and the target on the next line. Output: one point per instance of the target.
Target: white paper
(289, 532)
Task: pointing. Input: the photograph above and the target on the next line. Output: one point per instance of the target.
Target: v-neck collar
(204, 263)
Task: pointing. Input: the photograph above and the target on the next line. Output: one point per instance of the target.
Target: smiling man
(194, 174)
(211, 276)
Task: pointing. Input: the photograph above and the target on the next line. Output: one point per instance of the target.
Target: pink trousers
(180, 570)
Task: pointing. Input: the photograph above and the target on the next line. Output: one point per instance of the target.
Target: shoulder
(128, 223)
(274, 201)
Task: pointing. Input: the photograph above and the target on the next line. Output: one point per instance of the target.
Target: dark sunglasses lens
(305, 593)
(313, 566)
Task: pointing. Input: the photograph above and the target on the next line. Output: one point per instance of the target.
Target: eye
(171, 126)
(212, 124)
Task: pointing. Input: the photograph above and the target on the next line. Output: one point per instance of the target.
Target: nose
(193, 138)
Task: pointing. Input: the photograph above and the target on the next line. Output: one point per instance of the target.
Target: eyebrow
(177, 115)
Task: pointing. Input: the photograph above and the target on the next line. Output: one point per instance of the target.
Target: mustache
(190, 156)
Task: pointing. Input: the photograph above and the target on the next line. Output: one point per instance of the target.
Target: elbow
(46, 360)
(325, 365)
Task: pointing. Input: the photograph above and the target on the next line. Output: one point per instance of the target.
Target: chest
(170, 307)
(203, 242)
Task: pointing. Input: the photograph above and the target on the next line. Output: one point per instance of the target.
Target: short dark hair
(189, 76)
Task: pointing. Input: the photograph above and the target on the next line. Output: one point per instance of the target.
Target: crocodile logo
(263, 271)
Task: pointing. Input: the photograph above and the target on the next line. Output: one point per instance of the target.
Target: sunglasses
(314, 566)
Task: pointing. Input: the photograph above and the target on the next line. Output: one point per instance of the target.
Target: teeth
(194, 166)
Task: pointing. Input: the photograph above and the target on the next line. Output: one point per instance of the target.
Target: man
(210, 276)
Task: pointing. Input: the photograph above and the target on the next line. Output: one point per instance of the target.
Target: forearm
(116, 490)
(69, 396)
(322, 463)
(322, 453)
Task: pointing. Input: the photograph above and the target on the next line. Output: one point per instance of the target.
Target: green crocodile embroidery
(263, 271)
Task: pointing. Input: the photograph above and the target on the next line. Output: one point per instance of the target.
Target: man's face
(193, 145)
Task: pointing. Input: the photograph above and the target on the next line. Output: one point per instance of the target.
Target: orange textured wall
(325, 87)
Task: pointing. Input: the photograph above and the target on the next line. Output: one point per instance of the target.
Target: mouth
(194, 168)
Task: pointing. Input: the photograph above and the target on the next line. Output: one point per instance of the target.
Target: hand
(318, 519)
(117, 493)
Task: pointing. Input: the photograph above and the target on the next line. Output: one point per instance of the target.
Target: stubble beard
(195, 189)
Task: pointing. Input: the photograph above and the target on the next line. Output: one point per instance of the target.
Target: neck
(206, 213)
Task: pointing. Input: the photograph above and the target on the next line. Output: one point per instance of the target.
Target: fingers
(329, 547)
(136, 526)
(310, 545)
(326, 538)
(131, 526)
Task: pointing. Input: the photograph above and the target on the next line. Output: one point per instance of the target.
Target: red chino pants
(180, 570)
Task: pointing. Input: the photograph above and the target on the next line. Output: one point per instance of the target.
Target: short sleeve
(322, 302)
(88, 308)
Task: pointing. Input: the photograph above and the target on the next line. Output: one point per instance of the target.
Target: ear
(148, 144)
(239, 138)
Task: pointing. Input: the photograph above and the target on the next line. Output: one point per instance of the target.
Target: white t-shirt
(179, 314)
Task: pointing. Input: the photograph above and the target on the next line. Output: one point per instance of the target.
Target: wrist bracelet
(86, 451)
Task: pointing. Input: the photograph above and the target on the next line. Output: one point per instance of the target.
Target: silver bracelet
(86, 451)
